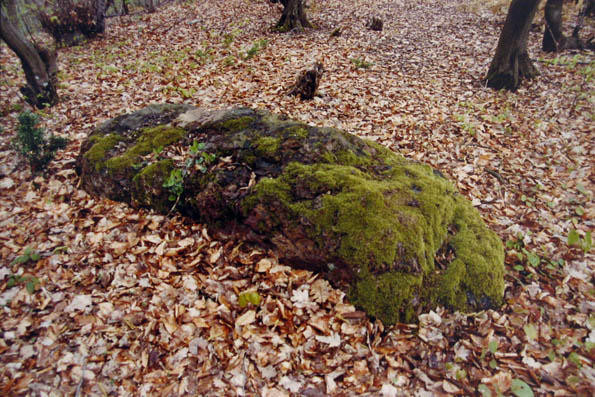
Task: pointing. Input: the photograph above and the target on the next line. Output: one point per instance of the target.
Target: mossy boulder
(391, 232)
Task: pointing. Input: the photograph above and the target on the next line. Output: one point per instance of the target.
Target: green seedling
(251, 297)
(574, 239)
(29, 255)
(360, 63)
(175, 184)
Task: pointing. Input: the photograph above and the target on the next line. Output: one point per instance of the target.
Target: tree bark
(553, 38)
(293, 17)
(511, 63)
(11, 9)
(39, 65)
(590, 8)
(100, 9)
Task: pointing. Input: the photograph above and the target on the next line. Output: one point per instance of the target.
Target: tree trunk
(39, 65)
(553, 38)
(100, 9)
(511, 63)
(294, 16)
(11, 9)
(590, 8)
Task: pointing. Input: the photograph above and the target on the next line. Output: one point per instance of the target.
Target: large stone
(391, 232)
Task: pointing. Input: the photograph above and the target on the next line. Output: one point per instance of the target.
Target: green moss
(477, 249)
(296, 131)
(389, 232)
(148, 139)
(267, 147)
(388, 296)
(283, 28)
(101, 146)
(148, 183)
(236, 124)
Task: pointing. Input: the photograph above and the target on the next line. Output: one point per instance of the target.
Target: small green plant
(520, 389)
(465, 124)
(360, 63)
(29, 255)
(524, 256)
(175, 184)
(491, 349)
(228, 38)
(186, 93)
(199, 158)
(484, 391)
(204, 56)
(247, 297)
(229, 60)
(256, 48)
(31, 142)
(574, 239)
(30, 282)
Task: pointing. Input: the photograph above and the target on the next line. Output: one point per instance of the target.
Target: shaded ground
(130, 303)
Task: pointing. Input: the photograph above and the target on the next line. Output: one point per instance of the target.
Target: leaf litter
(127, 302)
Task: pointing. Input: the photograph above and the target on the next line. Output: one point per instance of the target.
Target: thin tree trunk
(100, 9)
(511, 63)
(553, 38)
(293, 17)
(38, 64)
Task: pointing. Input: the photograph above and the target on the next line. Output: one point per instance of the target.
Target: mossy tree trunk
(511, 63)
(293, 17)
(39, 64)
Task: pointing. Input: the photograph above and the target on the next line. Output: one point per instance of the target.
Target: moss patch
(101, 146)
(267, 147)
(296, 131)
(148, 139)
(236, 124)
(389, 232)
(148, 186)
(390, 296)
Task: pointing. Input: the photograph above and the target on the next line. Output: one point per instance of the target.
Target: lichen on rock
(394, 234)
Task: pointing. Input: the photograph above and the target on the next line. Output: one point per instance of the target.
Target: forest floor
(128, 302)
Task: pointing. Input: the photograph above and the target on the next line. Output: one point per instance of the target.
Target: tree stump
(375, 24)
(307, 82)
